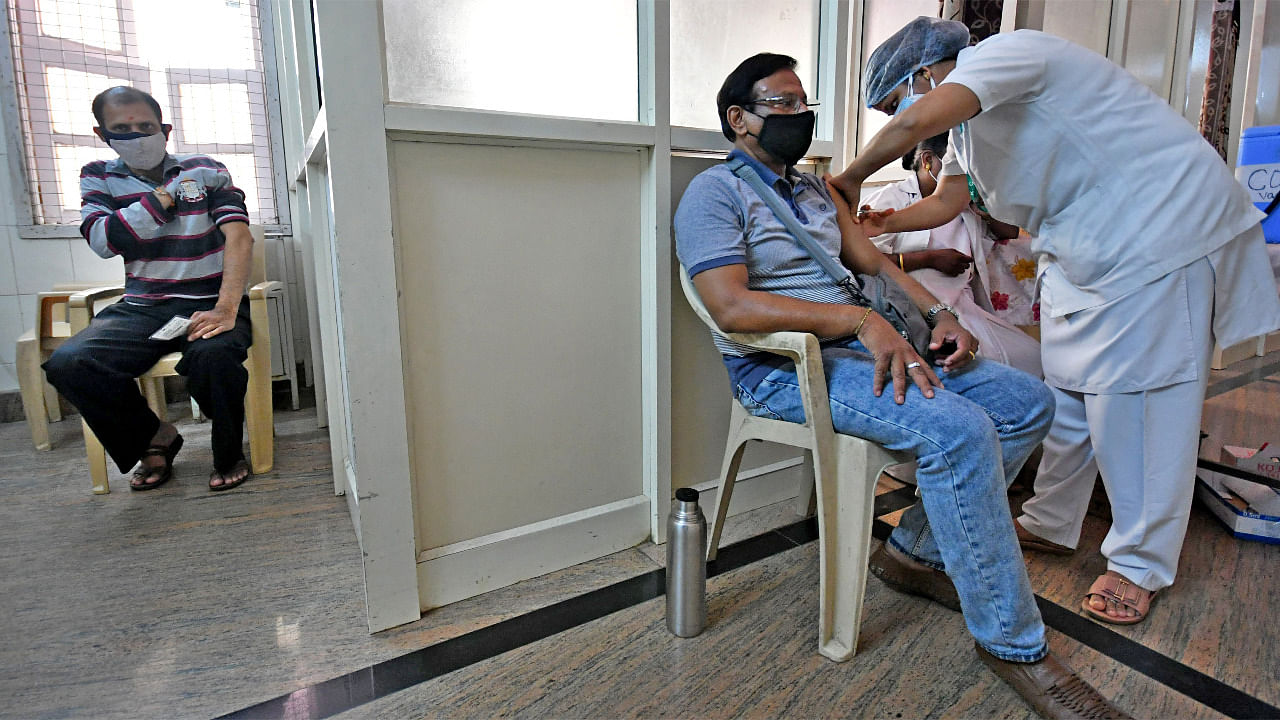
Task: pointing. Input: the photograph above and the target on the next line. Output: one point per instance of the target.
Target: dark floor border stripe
(1187, 680)
(348, 691)
(1239, 381)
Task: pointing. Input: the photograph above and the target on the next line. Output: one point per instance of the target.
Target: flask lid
(687, 494)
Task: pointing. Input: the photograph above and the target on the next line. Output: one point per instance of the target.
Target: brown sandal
(164, 472)
(1115, 588)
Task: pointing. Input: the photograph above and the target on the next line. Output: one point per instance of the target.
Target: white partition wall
(486, 198)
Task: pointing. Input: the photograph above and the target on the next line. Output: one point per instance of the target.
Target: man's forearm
(237, 259)
(940, 208)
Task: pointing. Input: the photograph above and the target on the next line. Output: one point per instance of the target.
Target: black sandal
(166, 471)
(235, 483)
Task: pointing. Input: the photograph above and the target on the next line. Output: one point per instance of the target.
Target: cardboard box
(1257, 461)
(1233, 511)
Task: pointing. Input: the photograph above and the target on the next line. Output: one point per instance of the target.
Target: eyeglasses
(782, 102)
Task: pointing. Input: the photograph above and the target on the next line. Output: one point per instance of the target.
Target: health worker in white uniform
(1147, 250)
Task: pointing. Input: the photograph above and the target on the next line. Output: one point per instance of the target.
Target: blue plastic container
(1259, 172)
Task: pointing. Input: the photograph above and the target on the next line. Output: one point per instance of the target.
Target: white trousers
(1144, 443)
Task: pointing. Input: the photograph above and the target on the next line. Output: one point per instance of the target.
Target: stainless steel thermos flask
(686, 565)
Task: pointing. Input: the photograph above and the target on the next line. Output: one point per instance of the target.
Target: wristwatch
(931, 316)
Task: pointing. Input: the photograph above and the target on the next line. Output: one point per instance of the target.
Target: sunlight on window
(215, 113)
(68, 159)
(226, 27)
(574, 58)
(201, 61)
(698, 67)
(95, 23)
(244, 174)
(881, 19)
(71, 98)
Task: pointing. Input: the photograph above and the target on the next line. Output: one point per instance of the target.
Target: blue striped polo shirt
(721, 221)
(174, 253)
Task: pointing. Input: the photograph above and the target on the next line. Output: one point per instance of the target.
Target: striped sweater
(174, 253)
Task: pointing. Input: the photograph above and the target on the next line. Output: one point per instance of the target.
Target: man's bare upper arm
(720, 288)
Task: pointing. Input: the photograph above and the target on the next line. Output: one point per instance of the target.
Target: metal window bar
(65, 51)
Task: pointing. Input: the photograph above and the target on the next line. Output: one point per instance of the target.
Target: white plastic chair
(845, 470)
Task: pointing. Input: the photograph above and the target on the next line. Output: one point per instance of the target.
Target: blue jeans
(969, 441)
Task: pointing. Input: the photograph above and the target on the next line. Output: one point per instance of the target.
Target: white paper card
(176, 327)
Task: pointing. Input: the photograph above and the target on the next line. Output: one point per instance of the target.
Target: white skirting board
(758, 487)
(465, 569)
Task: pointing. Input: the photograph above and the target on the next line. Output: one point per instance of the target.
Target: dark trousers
(96, 368)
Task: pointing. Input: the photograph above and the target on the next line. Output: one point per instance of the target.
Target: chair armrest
(264, 289)
(795, 345)
(45, 303)
(80, 305)
(803, 348)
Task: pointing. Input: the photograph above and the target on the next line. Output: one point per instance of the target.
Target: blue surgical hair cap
(923, 41)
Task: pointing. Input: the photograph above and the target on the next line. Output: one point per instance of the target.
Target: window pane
(244, 175)
(68, 160)
(881, 19)
(71, 98)
(573, 58)
(92, 22)
(215, 113)
(226, 28)
(67, 51)
(710, 37)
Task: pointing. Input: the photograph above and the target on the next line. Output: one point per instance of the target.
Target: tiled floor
(180, 603)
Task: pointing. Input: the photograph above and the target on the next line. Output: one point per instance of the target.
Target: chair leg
(258, 411)
(846, 493)
(31, 388)
(196, 413)
(804, 493)
(97, 456)
(153, 391)
(733, 449)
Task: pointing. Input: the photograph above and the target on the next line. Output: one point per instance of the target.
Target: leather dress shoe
(1053, 689)
(900, 572)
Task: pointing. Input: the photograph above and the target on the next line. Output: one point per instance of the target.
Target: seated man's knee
(213, 356)
(964, 428)
(63, 366)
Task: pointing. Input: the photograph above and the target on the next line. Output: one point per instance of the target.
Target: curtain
(982, 16)
(1215, 111)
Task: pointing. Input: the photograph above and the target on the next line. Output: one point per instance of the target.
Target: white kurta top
(1117, 188)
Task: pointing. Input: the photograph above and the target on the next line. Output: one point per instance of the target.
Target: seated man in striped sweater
(182, 229)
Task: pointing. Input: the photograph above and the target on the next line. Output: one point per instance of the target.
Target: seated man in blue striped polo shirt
(970, 423)
(182, 229)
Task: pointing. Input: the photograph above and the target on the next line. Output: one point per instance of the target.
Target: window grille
(202, 61)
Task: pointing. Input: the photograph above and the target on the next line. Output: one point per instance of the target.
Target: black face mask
(786, 137)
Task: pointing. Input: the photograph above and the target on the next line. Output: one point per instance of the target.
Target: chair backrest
(695, 301)
(258, 272)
